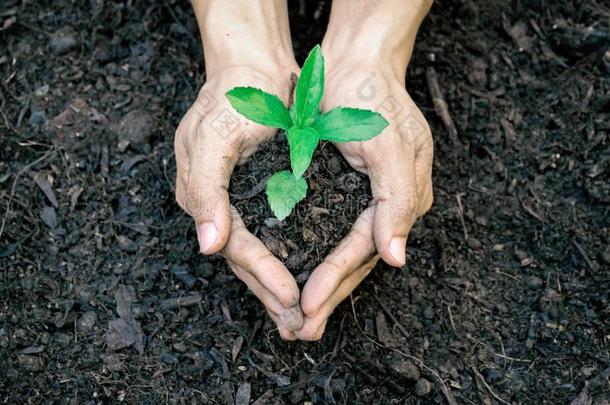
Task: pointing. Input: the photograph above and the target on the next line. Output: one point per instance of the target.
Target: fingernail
(397, 249)
(292, 318)
(207, 235)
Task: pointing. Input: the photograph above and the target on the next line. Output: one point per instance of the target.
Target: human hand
(210, 140)
(399, 165)
(247, 43)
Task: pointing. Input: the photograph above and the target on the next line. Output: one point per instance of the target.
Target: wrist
(245, 33)
(377, 35)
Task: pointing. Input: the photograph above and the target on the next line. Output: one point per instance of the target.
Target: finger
(182, 159)
(356, 249)
(287, 319)
(313, 328)
(285, 334)
(392, 175)
(212, 160)
(187, 127)
(423, 175)
(264, 274)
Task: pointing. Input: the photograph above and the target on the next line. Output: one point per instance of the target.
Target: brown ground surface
(505, 295)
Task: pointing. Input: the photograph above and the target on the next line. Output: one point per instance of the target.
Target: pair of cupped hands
(212, 139)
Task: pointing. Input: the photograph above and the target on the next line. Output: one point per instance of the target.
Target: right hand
(211, 139)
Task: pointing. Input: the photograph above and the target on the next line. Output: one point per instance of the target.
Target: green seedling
(305, 127)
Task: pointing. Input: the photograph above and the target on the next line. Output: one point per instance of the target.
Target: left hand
(399, 164)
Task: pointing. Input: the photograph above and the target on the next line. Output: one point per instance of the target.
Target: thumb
(392, 175)
(211, 162)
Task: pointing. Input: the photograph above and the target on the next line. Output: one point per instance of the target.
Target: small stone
(179, 347)
(473, 243)
(535, 282)
(169, 358)
(406, 369)
(49, 217)
(423, 387)
(481, 220)
(119, 335)
(271, 222)
(468, 326)
(122, 145)
(127, 244)
(63, 41)
(526, 261)
(136, 128)
(41, 91)
(86, 323)
(587, 371)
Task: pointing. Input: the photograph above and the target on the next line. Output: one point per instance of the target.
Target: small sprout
(305, 127)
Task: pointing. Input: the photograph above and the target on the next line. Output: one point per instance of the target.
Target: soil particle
(423, 387)
(87, 322)
(535, 282)
(63, 40)
(119, 335)
(473, 243)
(405, 369)
(136, 129)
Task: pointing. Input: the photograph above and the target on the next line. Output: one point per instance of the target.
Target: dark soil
(104, 297)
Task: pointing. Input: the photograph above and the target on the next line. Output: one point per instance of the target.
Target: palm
(398, 162)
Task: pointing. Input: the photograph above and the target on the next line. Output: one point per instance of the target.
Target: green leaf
(344, 124)
(284, 191)
(293, 112)
(310, 88)
(293, 115)
(302, 143)
(260, 107)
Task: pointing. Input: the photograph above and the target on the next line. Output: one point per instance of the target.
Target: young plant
(305, 127)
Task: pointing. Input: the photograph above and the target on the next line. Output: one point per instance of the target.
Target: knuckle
(287, 297)
(309, 308)
(262, 260)
(360, 236)
(332, 265)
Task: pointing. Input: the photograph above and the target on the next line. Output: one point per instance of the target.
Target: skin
(367, 48)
